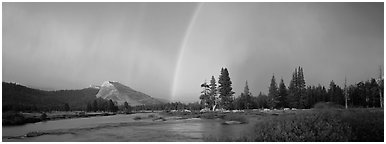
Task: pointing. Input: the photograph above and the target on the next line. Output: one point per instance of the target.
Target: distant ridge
(120, 93)
(17, 95)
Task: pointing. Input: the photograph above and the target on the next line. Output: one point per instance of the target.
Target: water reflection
(124, 128)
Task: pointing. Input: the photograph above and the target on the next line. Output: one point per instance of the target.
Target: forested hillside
(20, 98)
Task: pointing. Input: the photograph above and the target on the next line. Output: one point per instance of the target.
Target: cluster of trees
(208, 94)
(366, 94)
(362, 94)
(224, 91)
(296, 95)
(245, 101)
(100, 104)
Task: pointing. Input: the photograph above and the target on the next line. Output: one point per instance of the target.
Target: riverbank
(19, 118)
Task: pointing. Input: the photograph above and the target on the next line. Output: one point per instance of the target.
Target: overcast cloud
(168, 49)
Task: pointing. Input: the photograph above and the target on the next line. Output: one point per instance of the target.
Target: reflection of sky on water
(124, 128)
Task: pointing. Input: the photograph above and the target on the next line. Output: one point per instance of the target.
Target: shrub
(128, 111)
(43, 116)
(13, 118)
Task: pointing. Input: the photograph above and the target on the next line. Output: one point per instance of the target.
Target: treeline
(100, 104)
(296, 95)
(170, 106)
(35, 108)
(108, 105)
(366, 94)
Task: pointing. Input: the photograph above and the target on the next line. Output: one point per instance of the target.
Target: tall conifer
(273, 93)
(282, 94)
(225, 89)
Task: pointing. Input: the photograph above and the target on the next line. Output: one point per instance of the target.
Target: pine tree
(332, 92)
(282, 94)
(205, 95)
(310, 92)
(89, 107)
(126, 105)
(66, 107)
(212, 93)
(262, 100)
(95, 106)
(345, 93)
(111, 106)
(374, 93)
(303, 99)
(273, 93)
(292, 91)
(128, 108)
(297, 90)
(225, 89)
(246, 97)
(246, 88)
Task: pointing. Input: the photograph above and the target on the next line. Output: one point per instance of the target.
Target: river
(122, 128)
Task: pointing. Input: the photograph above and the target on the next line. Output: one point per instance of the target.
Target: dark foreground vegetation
(317, 125)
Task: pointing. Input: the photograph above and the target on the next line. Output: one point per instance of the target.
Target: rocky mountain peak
(121, 93)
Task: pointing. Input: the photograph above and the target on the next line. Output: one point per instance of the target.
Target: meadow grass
(317, 125)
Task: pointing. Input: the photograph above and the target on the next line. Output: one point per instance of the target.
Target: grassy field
(315, 125)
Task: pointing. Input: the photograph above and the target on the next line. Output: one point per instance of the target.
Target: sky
(167, 50)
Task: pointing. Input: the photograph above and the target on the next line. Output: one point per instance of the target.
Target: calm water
(123, 128)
